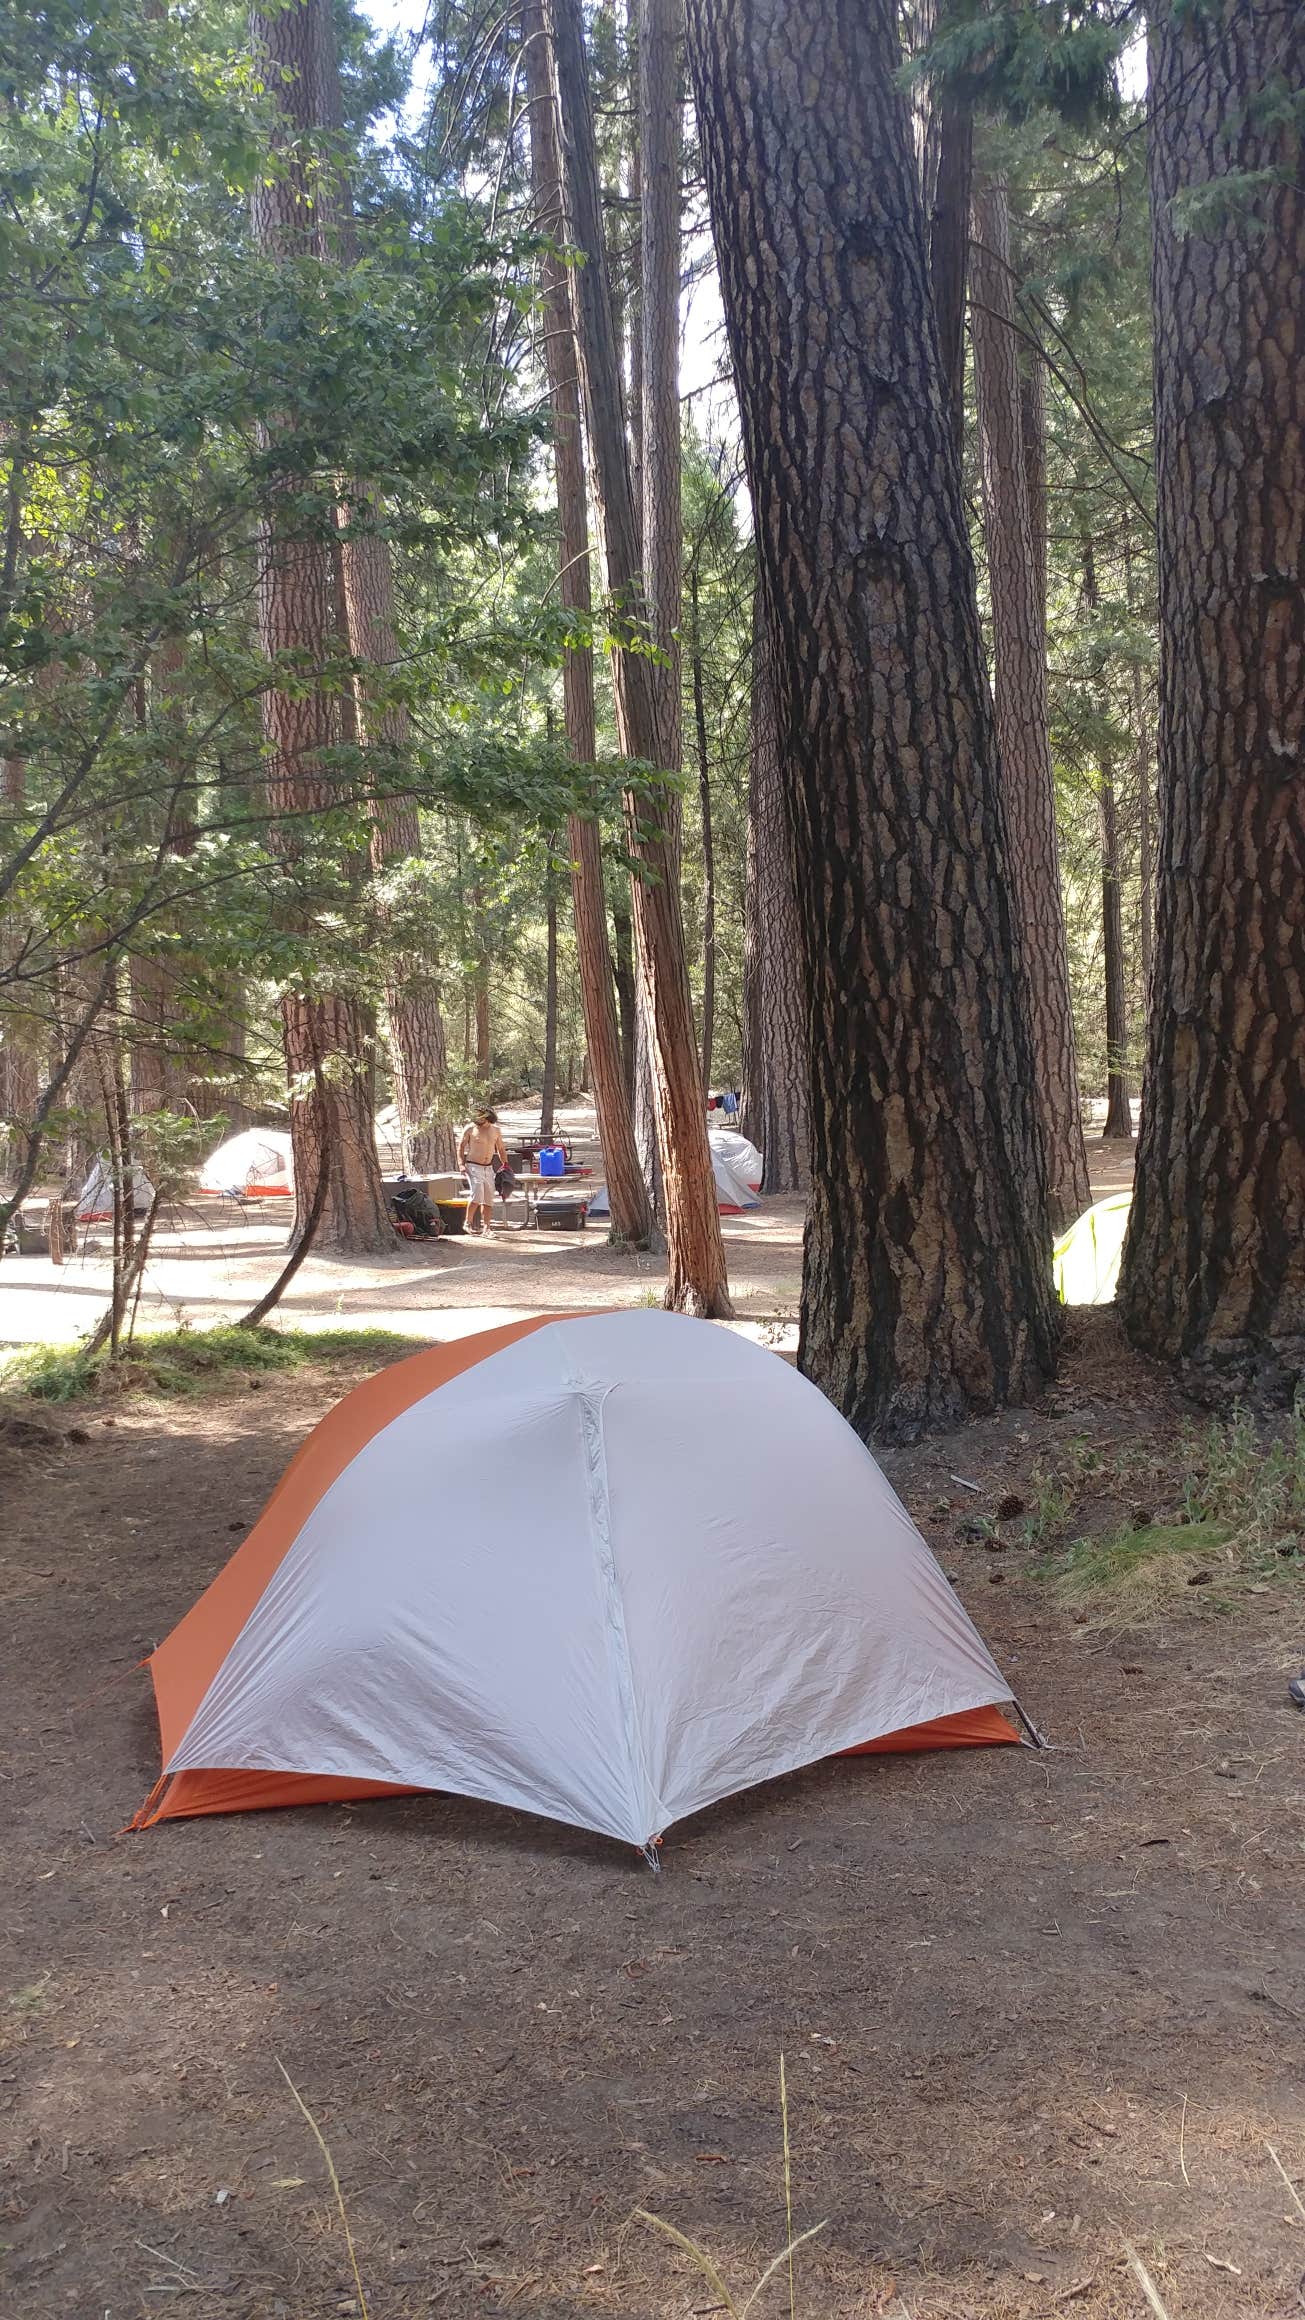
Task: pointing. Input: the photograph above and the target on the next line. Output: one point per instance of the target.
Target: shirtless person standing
(480, 1151)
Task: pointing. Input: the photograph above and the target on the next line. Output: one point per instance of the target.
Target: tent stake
(1030, 1727)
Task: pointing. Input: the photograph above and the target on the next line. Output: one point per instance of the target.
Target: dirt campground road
(211, 1260)
(1036, 2009)
(207, 1268)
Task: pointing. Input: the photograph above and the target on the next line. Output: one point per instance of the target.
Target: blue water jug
(552, 1160)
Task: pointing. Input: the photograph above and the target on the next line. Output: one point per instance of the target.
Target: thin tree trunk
(949, 250)
(482, 1014)
(623, 977)
(944, 151)
(626, 1190)
(159, 1075)
(299, 613)
(708, 839)
(419, 1058)
(1144, 778)
(655, 480)
(271, 1298)
(776, 1062)
(1033, 443)
(927, 1290)
(1119, 1114)
(1214, 1264)
(1021, 705)
(660, 114)
(548, 1091)
(696, 1257)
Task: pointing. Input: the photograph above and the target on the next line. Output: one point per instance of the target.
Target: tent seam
(591, 1418)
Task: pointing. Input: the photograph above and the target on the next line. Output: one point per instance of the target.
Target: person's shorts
(481, 1180)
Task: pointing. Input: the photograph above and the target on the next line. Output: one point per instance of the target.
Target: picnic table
(533, 1186)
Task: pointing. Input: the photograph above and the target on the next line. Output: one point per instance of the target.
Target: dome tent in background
(737, 1166)
(606, 1569)
(95, 1200)
(255, 1164)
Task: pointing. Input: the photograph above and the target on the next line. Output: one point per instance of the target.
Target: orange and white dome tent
(606, 1568)
(255, 1164)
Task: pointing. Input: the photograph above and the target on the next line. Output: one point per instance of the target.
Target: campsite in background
(692, 1699)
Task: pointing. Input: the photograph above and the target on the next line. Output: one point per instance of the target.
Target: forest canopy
(478, 621)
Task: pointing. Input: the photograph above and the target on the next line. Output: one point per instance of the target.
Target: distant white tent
(254, 1165)
(738, 1168)
(95, 1200)
(736, 1165)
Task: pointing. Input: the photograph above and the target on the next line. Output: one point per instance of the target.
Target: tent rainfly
(607, 1569)
(1085, 1260)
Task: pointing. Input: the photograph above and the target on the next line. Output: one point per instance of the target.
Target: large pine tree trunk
(626, 1190)
(1021, 703)
(1214, 1266)
(927, 1284)
(776, 1065)
(696, 1257)
(299, 612)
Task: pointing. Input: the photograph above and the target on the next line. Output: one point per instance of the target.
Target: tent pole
(1035, 1737)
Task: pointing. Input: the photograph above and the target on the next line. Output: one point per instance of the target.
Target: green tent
(1086, 1258)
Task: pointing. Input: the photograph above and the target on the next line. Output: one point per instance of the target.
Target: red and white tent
(254, 1165)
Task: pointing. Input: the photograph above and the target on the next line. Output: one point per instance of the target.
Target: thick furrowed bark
(927, 1290)
(1214, 1265)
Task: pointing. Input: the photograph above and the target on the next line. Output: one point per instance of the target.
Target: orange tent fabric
(184, 1666)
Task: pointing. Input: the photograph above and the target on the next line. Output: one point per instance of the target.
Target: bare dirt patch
(1033, 2006)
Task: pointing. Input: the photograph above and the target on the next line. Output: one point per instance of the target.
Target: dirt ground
(1035, 2008)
